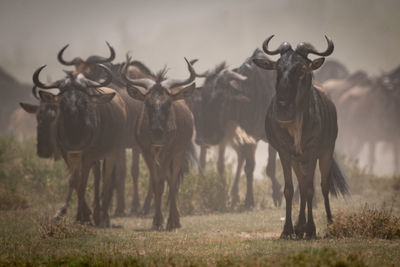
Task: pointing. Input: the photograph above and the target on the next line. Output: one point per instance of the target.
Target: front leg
(288, 192)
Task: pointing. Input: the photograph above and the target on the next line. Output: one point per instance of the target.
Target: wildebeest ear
(48, 97)
(135, 93)
(101, 99)
(316, 63)
(185, 92)
(264, 63)
(29, 108)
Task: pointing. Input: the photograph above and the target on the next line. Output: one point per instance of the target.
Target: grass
(208, 236)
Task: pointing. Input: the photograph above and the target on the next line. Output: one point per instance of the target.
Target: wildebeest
(234, 136)
(376, 96)
(301, 124)
(89, 126)
(242, 96)
(136, 69)
(46, 145)
(164, 131)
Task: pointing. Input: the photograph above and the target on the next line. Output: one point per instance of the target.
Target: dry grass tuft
(61, 228)
(368, 223)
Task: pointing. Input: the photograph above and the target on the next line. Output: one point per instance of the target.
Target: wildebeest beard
(77, 120)
(292, 86)
(158, 109)
(45, 120)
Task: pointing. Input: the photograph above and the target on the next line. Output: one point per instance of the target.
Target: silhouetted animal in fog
(241, 96)
(234, 136)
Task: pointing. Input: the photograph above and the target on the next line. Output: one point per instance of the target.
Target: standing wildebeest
(164, 132)
(46, 145)
(234, 136)
(301, 124)
(136, 70)
(244, 102)
(89, 127)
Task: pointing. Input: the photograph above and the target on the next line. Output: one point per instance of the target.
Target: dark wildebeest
(332, 69)
(164, 132)
(301, 124)
(89, 127)
(234, 136)
(136, 70)
(244, 102)
(46, 145)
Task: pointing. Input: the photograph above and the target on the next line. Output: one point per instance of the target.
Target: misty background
(366, 33)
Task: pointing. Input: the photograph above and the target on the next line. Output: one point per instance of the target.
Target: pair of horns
(302, 48)
(57, 84)
(89, 60)
(148, 83)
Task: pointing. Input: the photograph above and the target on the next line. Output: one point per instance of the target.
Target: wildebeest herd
(102, 108)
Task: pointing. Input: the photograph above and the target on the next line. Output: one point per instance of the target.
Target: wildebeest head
(294, 75)
(88, 67)
(221, 86)
(158, 97)
(45, 116)
(76, 117)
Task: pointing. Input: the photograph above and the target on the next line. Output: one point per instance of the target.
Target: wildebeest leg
(288, 192)
(96, 202)
(173, 181)
(135, 176)
(158, 188)
(109, 168)
(63, 210)
(371, 158)
(120, 183)
(235, 187)
(203, 158)
(249, 170)
(147, 200)
(83, 215)
(221, 172)
(325, 164)
(305, 176)
(270, 170)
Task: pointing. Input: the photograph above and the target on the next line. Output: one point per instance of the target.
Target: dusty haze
(366, 33)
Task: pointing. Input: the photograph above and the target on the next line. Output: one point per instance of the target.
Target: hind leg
(325, 164)
(135, 176)
(235, 187)
(120, 183)
(249, 170)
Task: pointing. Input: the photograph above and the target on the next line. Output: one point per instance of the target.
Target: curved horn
(99, 59)
(39, 84)
(169, 84)
(64, 62)
(35, 93)
(144, 82)
(281, 49)
(305, 48)
(106, 82)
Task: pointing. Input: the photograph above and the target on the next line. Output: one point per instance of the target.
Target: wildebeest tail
(190, 159)
(337, 179)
